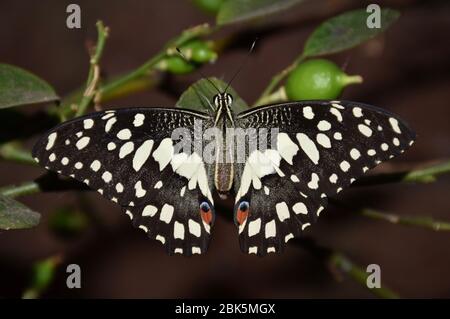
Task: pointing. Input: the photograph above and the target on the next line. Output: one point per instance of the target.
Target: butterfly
(131, 157)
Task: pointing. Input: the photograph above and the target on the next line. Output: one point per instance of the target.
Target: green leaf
(20, 87)
(197, 96)
(15, 215)
(346, 31)
(240, 10)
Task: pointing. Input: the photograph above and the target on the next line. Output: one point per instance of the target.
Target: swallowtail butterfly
(130, 157)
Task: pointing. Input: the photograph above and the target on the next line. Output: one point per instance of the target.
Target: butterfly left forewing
(321, 148)
(129, 157)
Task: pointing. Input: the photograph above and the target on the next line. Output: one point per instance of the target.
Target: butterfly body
(314, 150)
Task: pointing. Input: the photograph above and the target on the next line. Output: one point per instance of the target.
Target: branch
(338, 263)
(94, 70)
(13, 152)
(342, 263)
(423, 175)
(137, 80)
(49, 182)
(426, 222)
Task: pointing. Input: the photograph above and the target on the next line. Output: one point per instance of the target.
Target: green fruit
(209, 6)
(199, 51)
(176, 65)
(317, 79)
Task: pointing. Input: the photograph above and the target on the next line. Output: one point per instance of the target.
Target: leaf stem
(277, 79)
(94, 70)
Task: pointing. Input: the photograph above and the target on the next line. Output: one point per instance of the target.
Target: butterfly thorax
(224, 118)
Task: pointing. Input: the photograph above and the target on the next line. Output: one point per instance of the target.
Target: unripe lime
(199, 51)
(176, 65)
(317, 79)
(209, 6)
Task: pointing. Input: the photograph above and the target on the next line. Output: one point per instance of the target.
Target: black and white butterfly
(129, 157)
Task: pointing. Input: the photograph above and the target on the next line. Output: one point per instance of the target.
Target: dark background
(406, 70)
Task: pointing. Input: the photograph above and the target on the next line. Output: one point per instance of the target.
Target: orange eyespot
(205, 212)
(242, 212)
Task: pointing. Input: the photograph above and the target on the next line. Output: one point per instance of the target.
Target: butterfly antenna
(241, 66)
(202, 74)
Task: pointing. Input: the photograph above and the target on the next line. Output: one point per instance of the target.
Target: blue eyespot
(204, 206)
(243, 206)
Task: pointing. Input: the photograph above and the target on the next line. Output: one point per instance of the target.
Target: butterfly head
(222, 100)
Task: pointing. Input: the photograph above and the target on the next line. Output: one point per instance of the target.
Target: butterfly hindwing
(321, 148)
(129, 156)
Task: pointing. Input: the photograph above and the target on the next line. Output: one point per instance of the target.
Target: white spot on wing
(161, 239)
(336, 113)
(142, 154)
(51, 140)
(254, 227)
(308, 112)
(270, 229)
(107, 177)
(140, 192)
(323, 140)
(138, 120)
(111, 146)
(365, 130)
(300, 208)
(394, 125)
(314, 183)
(344, 166)
(309, 147)
(95, 165)
(286, 147)
(324, 125)
(88, 124)
(357, 112)
(163, 154)
(82, 142)
(178, 230)
(194, 228)
(158, 185)
(166, 213)
(109, 124)
(355, 154)
(126, 149)
(124, 134)
(119, 187)
(333, 178)
(288, 237)
(149, 210)
(282, 211)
